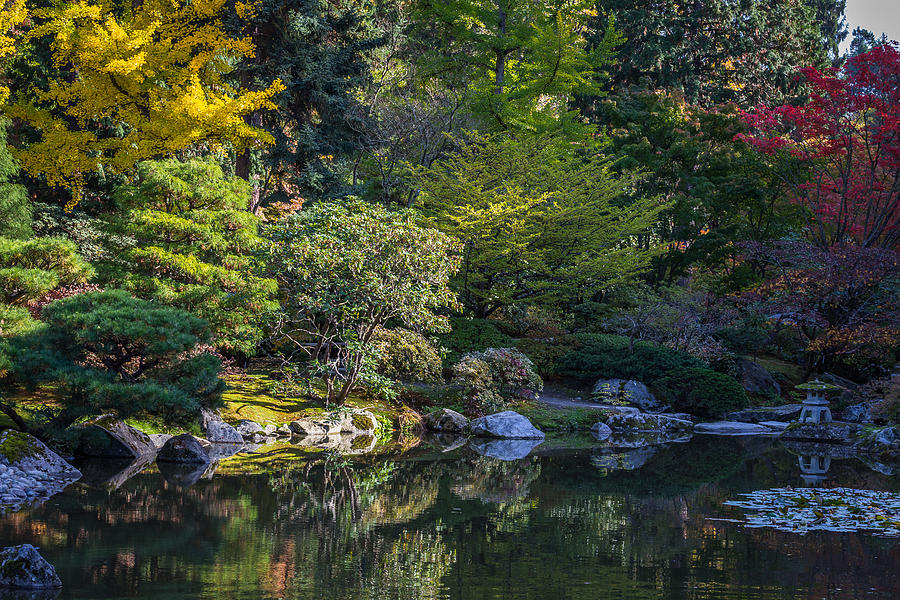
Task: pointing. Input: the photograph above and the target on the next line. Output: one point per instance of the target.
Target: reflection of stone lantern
(813, 469)
(815, 406)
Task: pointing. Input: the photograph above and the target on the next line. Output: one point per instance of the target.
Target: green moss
(362, 422)
(17, 446)
(559, 419)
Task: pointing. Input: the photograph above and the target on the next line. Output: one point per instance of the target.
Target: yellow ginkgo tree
(12, 14)
(139, 80)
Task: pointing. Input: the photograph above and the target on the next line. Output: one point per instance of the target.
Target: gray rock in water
(857, 413)
(186, 474)
(732, 428)
(284, 431)
(648, 422)
(220, 432)
(220, 451)
(23, 567)
(640, 439)
(786, 412)
(27, 453)
(756, 379)
(248, 429)
(445, 420)
(183, 448)
(507, 424)
(507, 449)
(620, 390)
(110, 437)
(600, 431)
(824, 432)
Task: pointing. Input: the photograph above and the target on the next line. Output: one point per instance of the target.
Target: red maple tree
(842, 149)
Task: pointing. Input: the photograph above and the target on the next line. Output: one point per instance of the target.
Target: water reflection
(456, 524)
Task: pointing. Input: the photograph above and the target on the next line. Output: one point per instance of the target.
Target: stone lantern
(815, 406)
(814, 469)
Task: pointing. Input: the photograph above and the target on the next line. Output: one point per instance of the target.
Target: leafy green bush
(602, 355)
(406, 355)
(472, 335)
(494, 377)
(546, 353)
(701, 392)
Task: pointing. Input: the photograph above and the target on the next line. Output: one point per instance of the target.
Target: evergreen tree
(192, 246)
(318, 50)
(15, 210)
(716, 51)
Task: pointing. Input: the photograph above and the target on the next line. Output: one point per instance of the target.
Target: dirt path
(561, 399)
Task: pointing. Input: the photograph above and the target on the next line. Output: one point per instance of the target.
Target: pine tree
(15, 210)
(192, 247)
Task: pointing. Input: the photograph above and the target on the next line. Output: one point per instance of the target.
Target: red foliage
(845, 302)
(35, 306)
(846, 146)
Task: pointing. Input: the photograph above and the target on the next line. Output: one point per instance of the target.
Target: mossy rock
(15, 445)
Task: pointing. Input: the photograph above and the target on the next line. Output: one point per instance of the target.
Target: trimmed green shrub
(494, 377)
(601, 355)
(406, 355)
(701, 392)
(546, 353)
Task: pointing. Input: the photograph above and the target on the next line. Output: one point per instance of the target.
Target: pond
(580, 522)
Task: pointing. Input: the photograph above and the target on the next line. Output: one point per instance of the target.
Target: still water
(563, 523)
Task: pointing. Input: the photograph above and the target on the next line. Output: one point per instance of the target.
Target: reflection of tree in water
(494, 480)
(423, 528)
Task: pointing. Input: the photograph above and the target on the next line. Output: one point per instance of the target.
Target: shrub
(701, 392)
(406, 355)
(609, 356)
(472, 335)
(494, 377)
(546, 353)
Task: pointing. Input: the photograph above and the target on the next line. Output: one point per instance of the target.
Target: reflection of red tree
(845, 143)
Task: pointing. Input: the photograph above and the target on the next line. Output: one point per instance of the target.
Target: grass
(548, 418)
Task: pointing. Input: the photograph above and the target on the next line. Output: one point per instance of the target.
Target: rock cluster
(30, 471)
(618, 391)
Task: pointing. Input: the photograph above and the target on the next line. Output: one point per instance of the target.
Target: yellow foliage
(12, 14)
(144, 83)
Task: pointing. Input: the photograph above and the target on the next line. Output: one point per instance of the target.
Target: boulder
(110, 437)
(857, 413)
(732, 428)
(186, 474)
(445, 420)
(159, 439)
(823, 432)
(359, 422)
(775, 425)
(220, 432)
(507, 449)
(888, 436)
(29, 454)
(756, 379)
(270, 429)
(23, 567)
(249, 429)
(600, 431)
(507, 424)
(839, 381)
(785, 412)
(648, 422)
(183, 448)
(308, 427)
(284, 431)
(630, 391)
(221, 450)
